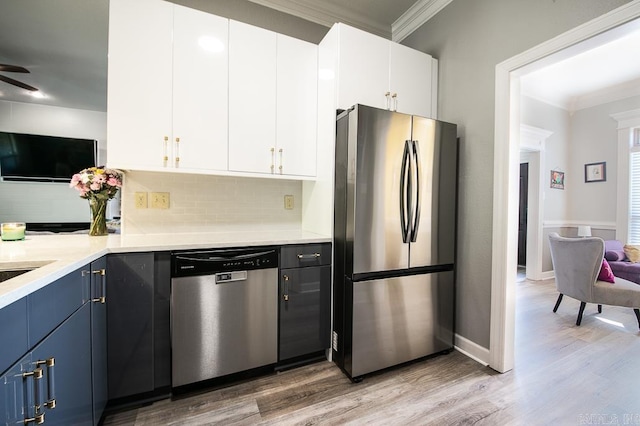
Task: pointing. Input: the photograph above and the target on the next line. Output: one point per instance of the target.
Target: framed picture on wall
(595, 172)
(557, 179)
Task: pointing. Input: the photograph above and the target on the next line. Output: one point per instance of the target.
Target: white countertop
(57, 255)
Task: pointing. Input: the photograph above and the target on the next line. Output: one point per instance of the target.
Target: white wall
(469, 38)
(48, 202)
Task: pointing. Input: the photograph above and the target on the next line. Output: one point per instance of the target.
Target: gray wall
(470, 38)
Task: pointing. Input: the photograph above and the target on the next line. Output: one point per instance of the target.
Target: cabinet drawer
(13, 333)
(54, 303)
(300, 256)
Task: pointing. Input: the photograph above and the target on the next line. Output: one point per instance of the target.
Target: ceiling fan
(15, 68)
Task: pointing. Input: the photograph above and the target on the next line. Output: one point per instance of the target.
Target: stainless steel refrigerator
(394, 239)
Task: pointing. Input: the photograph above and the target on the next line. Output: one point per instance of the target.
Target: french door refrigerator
(394, 239)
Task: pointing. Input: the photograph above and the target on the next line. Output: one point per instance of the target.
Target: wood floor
(564, 375)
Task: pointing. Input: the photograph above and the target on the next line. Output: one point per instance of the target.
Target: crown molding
(414, 17)
(609, 94)
(307, 9)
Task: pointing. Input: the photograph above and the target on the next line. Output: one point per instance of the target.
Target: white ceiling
(64, 45)
(608, 70)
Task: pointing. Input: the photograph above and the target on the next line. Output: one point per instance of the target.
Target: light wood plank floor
(564, 375)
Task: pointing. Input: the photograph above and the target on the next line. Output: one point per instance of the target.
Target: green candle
(12, 231)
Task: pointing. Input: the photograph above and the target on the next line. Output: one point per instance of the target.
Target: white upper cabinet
(377, 72)
(167, 92)
(410, 80)
(272, 102)
(297, 107)
(139, 100)
(252, 98)
(200, 75)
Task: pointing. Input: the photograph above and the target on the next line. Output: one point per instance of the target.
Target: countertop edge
(18, 287)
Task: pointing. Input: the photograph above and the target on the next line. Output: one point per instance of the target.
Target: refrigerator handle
(405, 171)
(415, 153)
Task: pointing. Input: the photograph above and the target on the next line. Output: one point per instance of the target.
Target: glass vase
(98, 217)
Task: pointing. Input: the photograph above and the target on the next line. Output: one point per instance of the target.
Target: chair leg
(580, 312)
(637, 311)
(555, 308)
(599, 309)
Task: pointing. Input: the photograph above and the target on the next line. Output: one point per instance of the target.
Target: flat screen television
(40, 158)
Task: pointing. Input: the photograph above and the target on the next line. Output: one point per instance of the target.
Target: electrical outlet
(159, 200)
(288, 202)
(141, 200)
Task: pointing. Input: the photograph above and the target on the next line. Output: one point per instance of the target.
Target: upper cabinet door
(297, 106)
(252, 99)
(410, 79)
(364, 69)
(200, 75)
(139, 94)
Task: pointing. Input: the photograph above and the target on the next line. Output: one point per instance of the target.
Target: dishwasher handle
(229, 277)
(224, 258)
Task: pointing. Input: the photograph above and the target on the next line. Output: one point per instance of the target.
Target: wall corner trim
(415, 16)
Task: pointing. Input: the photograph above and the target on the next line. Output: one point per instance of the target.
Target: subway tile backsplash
(204, 203)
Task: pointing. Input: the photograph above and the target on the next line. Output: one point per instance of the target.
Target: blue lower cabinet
(13, 333)
(17, 399)
(65, 359)
(99, 302)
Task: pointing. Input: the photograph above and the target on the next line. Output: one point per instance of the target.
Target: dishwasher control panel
(217, 261)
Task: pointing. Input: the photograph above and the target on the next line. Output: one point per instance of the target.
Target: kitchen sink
(10, 270)
(7, 275)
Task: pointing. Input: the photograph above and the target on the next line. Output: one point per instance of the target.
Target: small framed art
(557, 179)
(595, 172)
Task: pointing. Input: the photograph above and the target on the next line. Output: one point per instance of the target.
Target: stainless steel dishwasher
(224, 313)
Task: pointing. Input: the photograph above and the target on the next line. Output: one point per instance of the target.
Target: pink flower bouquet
(97, 182)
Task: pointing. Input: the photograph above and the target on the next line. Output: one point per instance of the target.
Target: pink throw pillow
(606, 274)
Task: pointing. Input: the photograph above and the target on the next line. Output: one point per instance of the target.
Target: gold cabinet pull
(103, 285)
(177, 153)
(37, 420)
(165, 151)
(273, 159)
(386, 96)
(395, 101)
(280, 167)
(37, 375)
(285, 296)
(50, 363)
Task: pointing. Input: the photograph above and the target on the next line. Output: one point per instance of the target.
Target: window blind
(634, 197)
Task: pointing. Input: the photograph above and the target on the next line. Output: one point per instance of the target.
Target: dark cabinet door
(305, 298)
(130, 324)
(13, 333)
(17, 393)
(99, 302)
(65, 359)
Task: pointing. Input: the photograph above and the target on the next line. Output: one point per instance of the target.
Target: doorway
(505, 209)
(523, 207)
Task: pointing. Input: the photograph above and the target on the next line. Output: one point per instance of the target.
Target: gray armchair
(576, 263)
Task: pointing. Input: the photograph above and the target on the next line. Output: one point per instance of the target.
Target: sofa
(620, 264)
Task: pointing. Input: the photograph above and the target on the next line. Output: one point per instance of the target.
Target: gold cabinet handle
(273, 159)
(177, 153)
(280, 167)
(103, 282)
(285, 296)
(395, 101)
(50, 363)
(386, 95)
(165, 151)
(37, 375)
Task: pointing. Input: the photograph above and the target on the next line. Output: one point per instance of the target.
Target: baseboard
(471, 349)
(547, 275)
